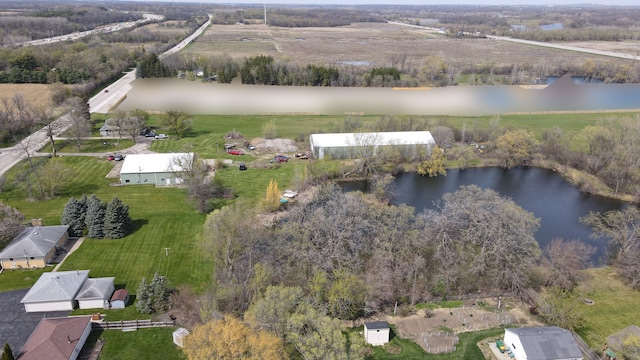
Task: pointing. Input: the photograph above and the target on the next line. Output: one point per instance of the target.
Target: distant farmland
(374, 44)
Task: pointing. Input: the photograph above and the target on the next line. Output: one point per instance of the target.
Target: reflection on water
(543, 192)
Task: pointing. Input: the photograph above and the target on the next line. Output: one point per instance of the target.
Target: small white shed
(179, 335)
(120, 299)
(376, 332)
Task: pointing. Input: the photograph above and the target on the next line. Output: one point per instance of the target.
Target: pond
(557, 203)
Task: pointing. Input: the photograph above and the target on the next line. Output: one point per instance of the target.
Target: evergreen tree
(160, 294)
(74, 215)
(7, 353)
(117, 222)
(94, 218)
(142, 298)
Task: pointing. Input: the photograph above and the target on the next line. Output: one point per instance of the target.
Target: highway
(100, 103)
(98, 30)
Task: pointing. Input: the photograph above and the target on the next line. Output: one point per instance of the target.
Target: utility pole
(265, 14)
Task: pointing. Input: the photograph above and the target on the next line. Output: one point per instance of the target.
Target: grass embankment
(90, 146)
(615, 306)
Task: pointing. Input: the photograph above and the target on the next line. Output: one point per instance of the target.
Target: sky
(421, 2)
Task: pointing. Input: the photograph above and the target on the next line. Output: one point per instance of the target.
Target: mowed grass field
(615, 306)
(162, 219)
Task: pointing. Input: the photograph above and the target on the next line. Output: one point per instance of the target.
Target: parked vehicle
(251, 147)
(290, 193)
(281, 158)
(242, 167)
(302, 156)
(235, 152)
(119, 157)
(161, 136)
(150, 134)
(111, 157)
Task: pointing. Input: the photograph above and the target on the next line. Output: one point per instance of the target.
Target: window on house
(126, 181)
(32, 258)
(10, 259)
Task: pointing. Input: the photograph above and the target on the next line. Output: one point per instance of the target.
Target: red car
(235, 152)
(111, 157)
(281, 158)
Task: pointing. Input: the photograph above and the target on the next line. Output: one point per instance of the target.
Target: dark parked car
(150, 134)
(281, 158)
(242, 167)
(119, 157)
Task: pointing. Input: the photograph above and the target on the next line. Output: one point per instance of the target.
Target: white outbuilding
(350, 145)
(155, 169)
(542, 343)
(179, 335)
(376, 332)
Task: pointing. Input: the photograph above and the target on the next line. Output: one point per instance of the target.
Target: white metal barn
(95, 293)
(542, 343)
(346, 145)
(179, 335)
(156, 169)
(376, 332)
(55, 291)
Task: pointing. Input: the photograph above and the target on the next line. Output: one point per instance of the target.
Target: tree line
(89, 216)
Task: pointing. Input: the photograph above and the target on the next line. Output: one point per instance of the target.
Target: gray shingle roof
(56, 286)
(374, 325)
(547, 343)
(97, 288)
(34, 241)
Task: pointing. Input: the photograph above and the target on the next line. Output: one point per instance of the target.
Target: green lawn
(615, 306)
(162, 219)
(90, 146)
(142, 344)
(466, 349)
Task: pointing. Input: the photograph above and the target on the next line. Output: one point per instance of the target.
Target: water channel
(557, 203)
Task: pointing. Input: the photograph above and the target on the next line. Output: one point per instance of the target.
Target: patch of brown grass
(35, 94)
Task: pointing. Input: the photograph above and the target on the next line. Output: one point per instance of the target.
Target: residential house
(55, 291)
(34, 247)
(57, 339)
(542, 343)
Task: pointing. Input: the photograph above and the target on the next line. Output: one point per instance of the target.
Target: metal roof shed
(542, 343)
(156, 169)
(342, 145)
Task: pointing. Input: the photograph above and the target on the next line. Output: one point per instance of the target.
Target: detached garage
(95, 293)
(348, 145)
(55, 291)
(155, 169)
(376, 333)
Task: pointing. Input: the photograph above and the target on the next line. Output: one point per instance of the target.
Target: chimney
(68, 339)
(37, 222)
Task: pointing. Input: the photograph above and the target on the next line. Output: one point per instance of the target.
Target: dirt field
(374, 44)
(434, 333)
(35, 94)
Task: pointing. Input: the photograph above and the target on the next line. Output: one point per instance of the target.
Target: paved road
(100, 103)
(98, 30)
(564, 47)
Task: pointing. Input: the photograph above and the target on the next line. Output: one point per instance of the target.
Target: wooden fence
(131, 324)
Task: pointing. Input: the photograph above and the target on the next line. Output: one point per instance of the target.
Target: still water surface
(557, 203)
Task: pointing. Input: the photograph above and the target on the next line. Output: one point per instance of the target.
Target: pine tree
(117, 222)
(142, 298)
(94, 218)
(73, 215)
(7, 354)
(160, 294)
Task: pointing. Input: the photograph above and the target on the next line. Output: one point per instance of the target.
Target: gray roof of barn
(34, 241)
(56, 286)
(547, 343)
